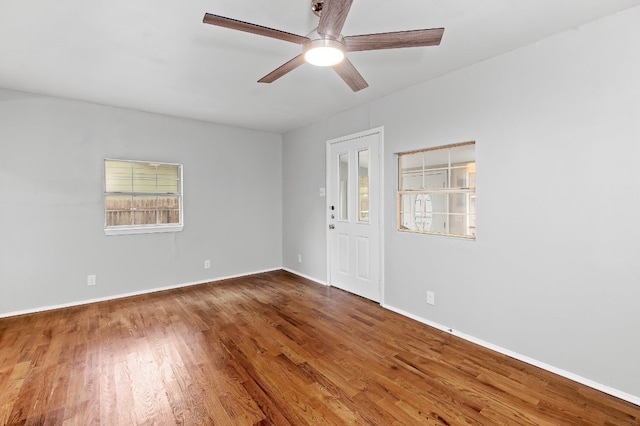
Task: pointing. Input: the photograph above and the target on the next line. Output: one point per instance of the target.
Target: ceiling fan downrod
(316, 7)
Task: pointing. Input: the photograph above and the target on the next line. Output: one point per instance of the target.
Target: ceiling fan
(326, 46)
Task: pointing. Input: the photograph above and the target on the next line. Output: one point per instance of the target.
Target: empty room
(320, 212)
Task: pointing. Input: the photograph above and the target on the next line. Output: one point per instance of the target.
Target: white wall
(553, 273)
(51, 207)
(303, 175)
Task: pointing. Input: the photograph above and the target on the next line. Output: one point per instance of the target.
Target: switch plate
(323, 192)
(299, 258)
(431, 298)
(207, 264)
(91, 280)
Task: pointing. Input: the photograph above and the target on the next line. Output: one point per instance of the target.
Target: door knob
(332, 226)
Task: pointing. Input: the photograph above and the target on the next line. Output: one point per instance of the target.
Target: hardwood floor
(270, 349)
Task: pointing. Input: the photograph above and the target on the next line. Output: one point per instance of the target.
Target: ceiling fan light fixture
(323, 52)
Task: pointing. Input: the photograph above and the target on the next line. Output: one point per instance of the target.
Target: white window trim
(144, 229)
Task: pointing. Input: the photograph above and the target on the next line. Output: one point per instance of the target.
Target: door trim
(373, 131)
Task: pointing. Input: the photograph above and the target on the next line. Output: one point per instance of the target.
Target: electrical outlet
(431, 298)
(91, 280)
(207, 264)
(299, 258)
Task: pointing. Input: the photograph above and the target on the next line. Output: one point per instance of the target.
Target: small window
(437, 191)
(142, 197)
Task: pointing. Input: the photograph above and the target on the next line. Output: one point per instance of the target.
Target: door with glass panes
(354, 214)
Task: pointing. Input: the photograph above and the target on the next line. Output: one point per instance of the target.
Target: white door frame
(380, 132)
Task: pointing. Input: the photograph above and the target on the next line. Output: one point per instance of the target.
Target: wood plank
(270, 349)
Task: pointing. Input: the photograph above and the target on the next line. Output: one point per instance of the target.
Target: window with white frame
(437, 191)
(142, 197)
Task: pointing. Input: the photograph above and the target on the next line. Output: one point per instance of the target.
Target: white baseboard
(133, 293)
(300, 274)
(576, 378)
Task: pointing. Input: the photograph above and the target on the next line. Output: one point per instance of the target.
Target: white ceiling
(158, 56)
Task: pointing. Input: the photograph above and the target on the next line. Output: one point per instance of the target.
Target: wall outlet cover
(431, 298)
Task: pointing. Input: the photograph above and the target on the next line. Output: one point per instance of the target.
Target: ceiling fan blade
(247, 27)
(350, 75)
(332, 18)
(283, 69)
(394, 40)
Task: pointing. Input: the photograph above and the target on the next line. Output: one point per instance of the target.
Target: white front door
(353, 198)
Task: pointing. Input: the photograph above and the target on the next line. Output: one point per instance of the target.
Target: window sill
(442, 234)
(124, 230)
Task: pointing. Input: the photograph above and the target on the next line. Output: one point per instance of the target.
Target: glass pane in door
(363, 186)
(343, 182)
